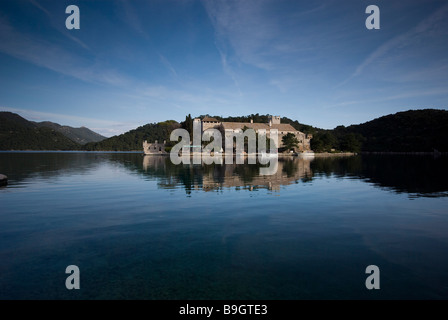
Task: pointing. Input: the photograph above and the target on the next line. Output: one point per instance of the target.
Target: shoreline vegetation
(409, 132)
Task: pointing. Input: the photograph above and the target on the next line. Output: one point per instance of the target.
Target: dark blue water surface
(142, 228)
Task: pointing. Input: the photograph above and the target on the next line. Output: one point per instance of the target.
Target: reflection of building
(153, 148)
(154, 163)
(227, 129)
(234, 175)
(218, 176)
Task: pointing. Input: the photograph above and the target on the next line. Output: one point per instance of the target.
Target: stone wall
(154, 148)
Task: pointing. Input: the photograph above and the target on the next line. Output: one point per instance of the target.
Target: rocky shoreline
(3, 180)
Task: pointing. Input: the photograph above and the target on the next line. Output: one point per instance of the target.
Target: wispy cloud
(312, 10)
(58, 26)
(130, 16)
(246, 34)
(44, 54)
(399, 96)
(169, 66)
(40, 7)
(266, 34)
(204, 98)
(274, 38)
(229, 70)
(246, 27)
(401, 42)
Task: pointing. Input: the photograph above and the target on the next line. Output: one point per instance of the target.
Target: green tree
(351, 142)
(290, 141)
(324, 141)
(188, 125)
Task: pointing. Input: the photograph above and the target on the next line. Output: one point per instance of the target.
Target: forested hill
(417, 130)
(81, 135)
(133, 140)
(17, 133)
(409, 131)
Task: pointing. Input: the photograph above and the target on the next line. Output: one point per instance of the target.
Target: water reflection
(219, 176)
(418, 176)
(115, 215)
(22, 167)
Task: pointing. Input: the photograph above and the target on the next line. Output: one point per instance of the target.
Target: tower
(274, 119)
(197, 123)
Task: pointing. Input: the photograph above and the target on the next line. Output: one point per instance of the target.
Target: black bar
(222, 309)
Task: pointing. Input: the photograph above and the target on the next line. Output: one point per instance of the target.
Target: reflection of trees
(417, 174)
(289, 167)
(24, 165)
(170, 175)
(340, 166)
(422, 175)
(247, 172)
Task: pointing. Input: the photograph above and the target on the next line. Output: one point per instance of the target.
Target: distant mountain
(133, 140)
(17, 133)
(81, 135)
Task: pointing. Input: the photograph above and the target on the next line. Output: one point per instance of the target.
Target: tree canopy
(290, 141)
(132, 140)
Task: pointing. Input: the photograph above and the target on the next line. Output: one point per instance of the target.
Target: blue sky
(135, 62)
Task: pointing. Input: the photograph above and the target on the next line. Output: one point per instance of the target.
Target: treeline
(409, 131)
(132, 140)
(337, 140)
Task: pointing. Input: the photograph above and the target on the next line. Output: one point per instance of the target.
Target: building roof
(210, 119)
(258, 126)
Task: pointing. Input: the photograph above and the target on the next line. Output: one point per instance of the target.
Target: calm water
(142, 228)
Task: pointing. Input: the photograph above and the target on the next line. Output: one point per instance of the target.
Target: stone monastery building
(274, 123)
